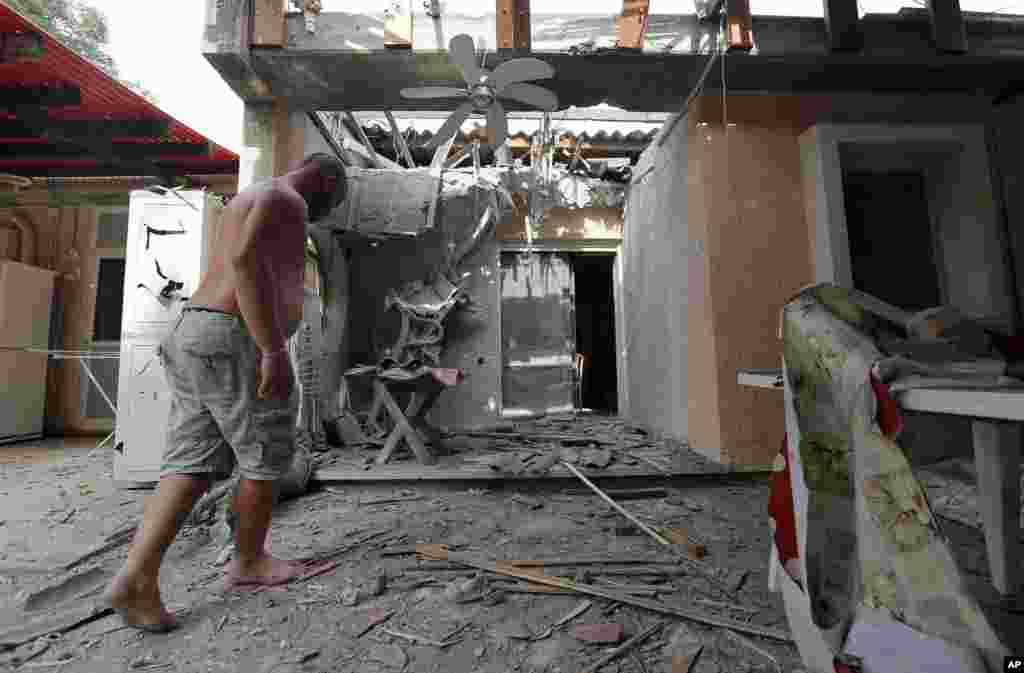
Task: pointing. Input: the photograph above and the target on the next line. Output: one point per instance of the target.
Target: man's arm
(253, 277)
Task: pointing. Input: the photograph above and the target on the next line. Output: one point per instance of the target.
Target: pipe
(27, 237)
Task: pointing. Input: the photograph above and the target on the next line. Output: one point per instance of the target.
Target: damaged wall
(472, 334)
(717, 219)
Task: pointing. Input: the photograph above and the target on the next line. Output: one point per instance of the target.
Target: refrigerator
(168, 238)
(26, 296)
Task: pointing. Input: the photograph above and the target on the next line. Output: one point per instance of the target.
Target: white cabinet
(167, 242)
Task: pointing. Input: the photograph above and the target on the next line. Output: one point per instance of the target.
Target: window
(109, 299)
(112, 227)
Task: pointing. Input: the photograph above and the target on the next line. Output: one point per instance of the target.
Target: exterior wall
(64, 215)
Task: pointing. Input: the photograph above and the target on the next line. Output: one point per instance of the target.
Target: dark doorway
(595, 330)
(892, 247)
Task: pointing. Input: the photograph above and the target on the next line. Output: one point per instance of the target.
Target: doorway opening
(595, 331)
(891, 236)
(558, 333)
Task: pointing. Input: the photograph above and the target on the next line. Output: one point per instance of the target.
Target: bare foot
(267, 571)
(139, 604)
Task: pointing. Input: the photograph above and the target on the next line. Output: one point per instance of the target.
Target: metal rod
(617, 507)
(403, 147)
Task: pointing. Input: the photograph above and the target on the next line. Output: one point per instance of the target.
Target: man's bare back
(282, 247)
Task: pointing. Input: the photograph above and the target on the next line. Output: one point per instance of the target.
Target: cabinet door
(165, 245)
(143, 402)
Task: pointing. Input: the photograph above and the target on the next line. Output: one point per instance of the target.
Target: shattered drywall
(364, 272)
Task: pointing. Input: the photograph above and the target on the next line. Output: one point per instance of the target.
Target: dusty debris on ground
(243, 631)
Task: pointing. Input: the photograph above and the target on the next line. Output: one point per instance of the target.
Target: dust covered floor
(57, 503)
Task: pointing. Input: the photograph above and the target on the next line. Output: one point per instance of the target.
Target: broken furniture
(424, 386)
(412, 364)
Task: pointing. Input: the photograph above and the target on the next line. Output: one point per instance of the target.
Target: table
(998, 436)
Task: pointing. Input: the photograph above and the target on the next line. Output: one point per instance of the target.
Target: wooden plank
(398, 21)
(441, 553)
(997, 456)
(631, 26)
(843, 25)
(739, 26)
(468, 472)
(948, 26)
(513, 24)
(268, 23)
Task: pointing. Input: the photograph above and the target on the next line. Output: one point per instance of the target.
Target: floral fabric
(863, 536)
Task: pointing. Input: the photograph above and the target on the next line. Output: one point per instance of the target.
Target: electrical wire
(697, 89)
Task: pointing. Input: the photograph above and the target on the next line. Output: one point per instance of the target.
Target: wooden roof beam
(948, 29)
(842, 21)
(513, 25)
(632, 24)
(227, 38)
(268, 23)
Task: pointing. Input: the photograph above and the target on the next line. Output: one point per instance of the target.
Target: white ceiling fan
(484, 87)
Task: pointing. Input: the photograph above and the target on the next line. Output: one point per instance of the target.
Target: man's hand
(276, 377)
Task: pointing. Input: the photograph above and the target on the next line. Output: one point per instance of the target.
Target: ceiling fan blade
(519, 70)
(497, 124)
(451, 125)
(433, 92)
(531, 94)
(463, 54)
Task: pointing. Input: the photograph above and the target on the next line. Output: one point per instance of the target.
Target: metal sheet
(538, 333)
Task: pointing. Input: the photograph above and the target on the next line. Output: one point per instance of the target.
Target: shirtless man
(233, 397)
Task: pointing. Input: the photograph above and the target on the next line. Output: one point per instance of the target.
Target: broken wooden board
(441, 553)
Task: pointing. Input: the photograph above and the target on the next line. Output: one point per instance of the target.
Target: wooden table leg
(403, 428)
(997, 456)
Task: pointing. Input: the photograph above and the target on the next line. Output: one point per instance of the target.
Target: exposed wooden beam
(632, 24)
(268, 28)
(87, 128)
(843, 25)
(398, 22)
(739, 25)
(513, 24)
(948, 26)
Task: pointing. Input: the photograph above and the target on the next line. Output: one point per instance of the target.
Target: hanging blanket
(869, 582)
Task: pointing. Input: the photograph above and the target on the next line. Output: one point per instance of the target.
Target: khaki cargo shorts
(216, 420)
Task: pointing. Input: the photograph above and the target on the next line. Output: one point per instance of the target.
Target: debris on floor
(529, 566)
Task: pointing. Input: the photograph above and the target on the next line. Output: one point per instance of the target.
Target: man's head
(323, 184)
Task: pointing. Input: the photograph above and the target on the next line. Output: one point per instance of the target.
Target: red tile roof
(102, 98)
